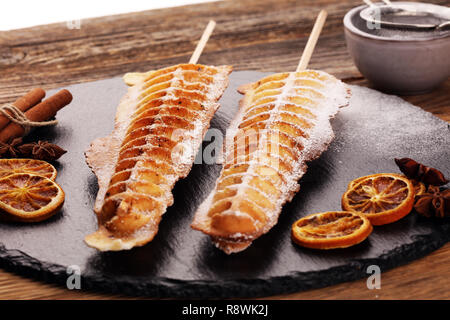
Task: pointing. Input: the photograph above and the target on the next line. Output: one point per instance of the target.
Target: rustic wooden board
(251, 34)
(181, 262)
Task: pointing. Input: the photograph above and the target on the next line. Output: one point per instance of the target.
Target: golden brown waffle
(159, 128)
(283, 122)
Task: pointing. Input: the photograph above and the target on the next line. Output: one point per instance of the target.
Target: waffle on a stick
(283, 122)
(159, 127)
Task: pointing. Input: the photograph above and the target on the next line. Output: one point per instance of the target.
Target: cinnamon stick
(45, 110)
(24, 103)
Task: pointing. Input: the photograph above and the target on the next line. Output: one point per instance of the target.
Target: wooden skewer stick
(203, 40)
(131, 78)
(311, 44)
(369, 3)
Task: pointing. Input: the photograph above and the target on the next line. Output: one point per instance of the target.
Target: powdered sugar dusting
(374, 109)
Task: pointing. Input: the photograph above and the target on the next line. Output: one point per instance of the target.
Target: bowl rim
(349, 26)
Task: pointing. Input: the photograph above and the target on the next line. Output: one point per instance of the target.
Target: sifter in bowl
(404, 16)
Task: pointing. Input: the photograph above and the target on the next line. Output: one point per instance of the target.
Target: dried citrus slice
(331, 230)
(38, 167)
(383, 198)
(419, 187)
(30, 198)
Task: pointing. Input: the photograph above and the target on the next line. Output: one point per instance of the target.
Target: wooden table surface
(265, 35)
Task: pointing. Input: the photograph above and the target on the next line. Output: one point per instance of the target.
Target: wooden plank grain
(265, 35)
(249, 35)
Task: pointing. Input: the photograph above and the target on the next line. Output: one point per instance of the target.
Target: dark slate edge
(23, 264)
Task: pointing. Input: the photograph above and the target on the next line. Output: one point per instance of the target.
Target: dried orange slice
(419, 187)
(331, 230)
(38, 167)
(29, 197)
(383, 198)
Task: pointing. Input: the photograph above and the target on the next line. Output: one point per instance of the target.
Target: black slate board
(181, 262)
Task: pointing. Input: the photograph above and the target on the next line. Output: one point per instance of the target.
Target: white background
(16, 14)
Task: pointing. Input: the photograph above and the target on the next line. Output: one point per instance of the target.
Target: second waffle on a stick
(283, 122)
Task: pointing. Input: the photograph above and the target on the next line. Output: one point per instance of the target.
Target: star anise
(417, 171)
(10, 150)
(434, 203)
(42, 150)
